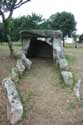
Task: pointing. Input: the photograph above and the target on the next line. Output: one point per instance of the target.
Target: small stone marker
(67, 77)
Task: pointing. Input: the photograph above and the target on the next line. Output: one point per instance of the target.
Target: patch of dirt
(45, 101)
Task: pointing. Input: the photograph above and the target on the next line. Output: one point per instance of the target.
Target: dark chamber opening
(39, 48)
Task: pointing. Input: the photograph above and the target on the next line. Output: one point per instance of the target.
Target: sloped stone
(26, 46)
(26, 62)
(67, 77)
(14, 105)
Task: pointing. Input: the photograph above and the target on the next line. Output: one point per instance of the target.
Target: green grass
(5, 47)
(70, 58)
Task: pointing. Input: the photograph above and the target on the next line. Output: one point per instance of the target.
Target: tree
(2, 38)
(32, 21)
(8, 6)
(75, 37)
(63, 21)
(45, 24)
(81, 38)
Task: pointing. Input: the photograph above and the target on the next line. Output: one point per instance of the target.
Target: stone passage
(39, 48)
(46, 43)
(37, 43)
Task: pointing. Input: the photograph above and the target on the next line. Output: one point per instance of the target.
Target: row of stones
(61, 61)
(14, 105)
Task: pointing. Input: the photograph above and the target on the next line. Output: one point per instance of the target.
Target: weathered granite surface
(67, 77)
(14, 75)
(14, 105)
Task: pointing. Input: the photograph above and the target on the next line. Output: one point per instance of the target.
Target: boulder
(67, 77)
(14, 74)
(63, 64)
(19, 54)
(14, 105)
(26, 62)
(57, 45)
(20, 67)
(26, 46)
(77, 89)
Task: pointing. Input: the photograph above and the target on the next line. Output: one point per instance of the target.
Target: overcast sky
(49, 7)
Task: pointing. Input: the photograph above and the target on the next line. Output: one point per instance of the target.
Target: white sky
(49, 7)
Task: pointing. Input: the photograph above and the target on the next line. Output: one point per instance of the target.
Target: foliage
(2, 35)
(63, 21)
(60, 21)
(81, 38)
(25, 22)
(9, 6)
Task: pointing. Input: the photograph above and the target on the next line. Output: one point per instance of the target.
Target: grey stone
(14, 74)
(26, 46)
(67, 77)
(58, 51)
(19, 54)
(63, 64)
(20, 67)
(41, 33)
(26, 62)
(14, 105)
(77, 89)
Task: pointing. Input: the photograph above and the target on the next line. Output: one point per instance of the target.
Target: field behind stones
(45, 99)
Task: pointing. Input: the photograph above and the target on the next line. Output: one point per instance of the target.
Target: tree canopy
(9, 6)
(63, 21)
(81, 38)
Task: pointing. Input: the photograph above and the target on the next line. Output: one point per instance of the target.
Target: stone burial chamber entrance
(42, 43)
(40, 49)
(45, 43)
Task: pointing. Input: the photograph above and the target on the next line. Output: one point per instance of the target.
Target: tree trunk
(10, 45)
(7, 36)
(63, 42)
